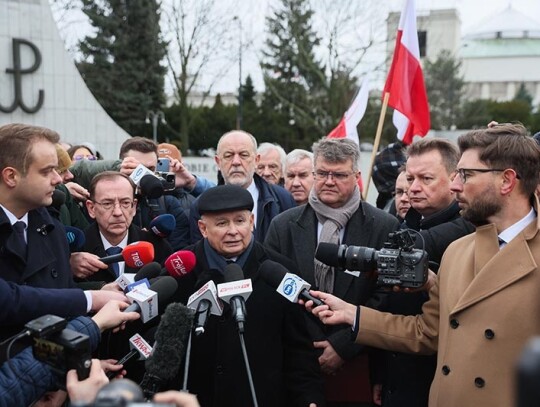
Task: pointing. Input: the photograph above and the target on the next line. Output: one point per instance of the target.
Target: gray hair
(253, 139)
(296, 156)
(266, 147)
(337, 150)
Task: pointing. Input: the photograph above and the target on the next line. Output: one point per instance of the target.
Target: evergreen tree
(524, 95)
(445, 89)
(122, 60)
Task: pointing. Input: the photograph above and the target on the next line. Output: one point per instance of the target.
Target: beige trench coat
(482, 311)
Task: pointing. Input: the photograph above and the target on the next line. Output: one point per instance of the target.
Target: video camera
(123, 393)
(167, 179)
(61, 348)
(397, 263)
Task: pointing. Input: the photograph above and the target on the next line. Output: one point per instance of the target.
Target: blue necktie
(18, 228)
(112, 251)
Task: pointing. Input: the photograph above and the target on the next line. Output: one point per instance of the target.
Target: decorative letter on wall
(18, 71)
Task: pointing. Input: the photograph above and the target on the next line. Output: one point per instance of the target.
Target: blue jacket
(20, 303)
(25, 379)
(148, 209)
(273, 200)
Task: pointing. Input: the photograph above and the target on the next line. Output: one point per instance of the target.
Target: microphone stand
(186, 362)
(248, 369)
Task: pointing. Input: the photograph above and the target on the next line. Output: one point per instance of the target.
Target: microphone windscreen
(138, 254)
(169, 347)
(165, 287)
(327, 253)
(148, 271)
(58, 198)
(75, 238)
(233, 272)
(151, 186)
(180, 263)
(272, 273)
(163, 225)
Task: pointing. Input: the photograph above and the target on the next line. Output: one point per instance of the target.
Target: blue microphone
(75, 238)
(163, 225)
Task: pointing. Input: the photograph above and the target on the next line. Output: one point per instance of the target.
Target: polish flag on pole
(405, 82)
(347, 127)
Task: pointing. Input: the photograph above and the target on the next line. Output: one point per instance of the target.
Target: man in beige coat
(485, 302)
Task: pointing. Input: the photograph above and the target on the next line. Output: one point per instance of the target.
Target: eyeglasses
(465, 173)
(108, 205)
(400, 192)
(338, 176)
(80, 157)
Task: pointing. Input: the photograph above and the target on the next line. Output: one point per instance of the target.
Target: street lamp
(240, 95)
(153, 117)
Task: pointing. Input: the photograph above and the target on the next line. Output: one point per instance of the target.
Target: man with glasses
(237, 159)
(334, 213)
(112, 205)
(484, 304)
(434, 213)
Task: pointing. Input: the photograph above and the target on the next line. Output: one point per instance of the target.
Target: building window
(422, 41)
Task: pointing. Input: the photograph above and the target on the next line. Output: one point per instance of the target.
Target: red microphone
(135, 254)
(180, 263)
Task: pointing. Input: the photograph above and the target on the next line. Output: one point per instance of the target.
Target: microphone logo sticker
(178, 265)
(289, 286)
(136, 259)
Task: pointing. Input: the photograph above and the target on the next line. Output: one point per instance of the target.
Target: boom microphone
(235, 291)
(75, 238)
(287, 284)
(180, 263)
(144, 299)
(135, 254)
(166, 359)
(163, 225)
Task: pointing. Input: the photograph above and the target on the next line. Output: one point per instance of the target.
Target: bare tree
(201, 50)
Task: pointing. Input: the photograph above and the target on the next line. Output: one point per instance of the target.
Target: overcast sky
(253, 13)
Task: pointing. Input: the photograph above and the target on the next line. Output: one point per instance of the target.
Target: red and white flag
(347, 127)
(405, 82)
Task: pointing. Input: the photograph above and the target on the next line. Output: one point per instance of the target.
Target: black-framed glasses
(338, 176)
(465, 173)
(108, 205)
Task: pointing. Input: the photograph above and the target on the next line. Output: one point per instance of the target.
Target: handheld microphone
(235, 291)
(287, 284)
(75, 238)
(145, 301)
(163, 225)
(128, 281)
(205, 302)
(139, 347)
(135, 254)
(166, 358)
(58, 199)
(180, 263)
(150, 186)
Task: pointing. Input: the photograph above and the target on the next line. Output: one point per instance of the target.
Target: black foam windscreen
(148, 271)
(272, 273)
(233, 272)
(58, 198)
(151, 186)
(328, 253)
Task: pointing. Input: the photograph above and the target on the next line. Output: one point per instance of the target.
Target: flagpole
(376, 143)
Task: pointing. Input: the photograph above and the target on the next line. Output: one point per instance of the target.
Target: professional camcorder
(397, 263)
(61, 348)
(167, 179)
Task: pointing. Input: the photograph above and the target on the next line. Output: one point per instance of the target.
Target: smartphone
(163, 164)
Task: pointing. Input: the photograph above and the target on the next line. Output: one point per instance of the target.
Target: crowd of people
(67, 215)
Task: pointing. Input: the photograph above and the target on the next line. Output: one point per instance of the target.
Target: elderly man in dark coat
(283, 361)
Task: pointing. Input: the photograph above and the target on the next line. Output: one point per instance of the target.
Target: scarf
(332, 220)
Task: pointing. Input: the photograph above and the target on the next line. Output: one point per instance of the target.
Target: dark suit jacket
(46, 264)
(294, 235)
(282, 359)
(94, 245)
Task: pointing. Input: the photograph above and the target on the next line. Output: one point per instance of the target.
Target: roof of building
(508, 48)
(509, 23)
